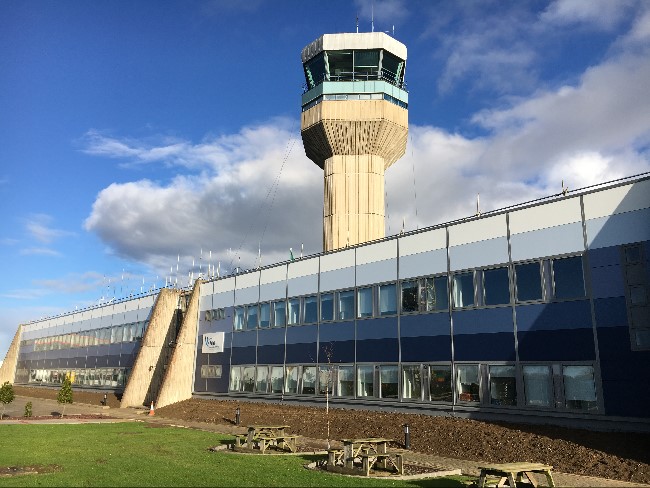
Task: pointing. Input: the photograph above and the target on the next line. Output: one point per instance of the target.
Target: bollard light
(237, 416)
(407, 437)
(105, 399)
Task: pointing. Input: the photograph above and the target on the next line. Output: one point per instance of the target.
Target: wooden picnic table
(515, 472)
(367, 453)
(260, 437)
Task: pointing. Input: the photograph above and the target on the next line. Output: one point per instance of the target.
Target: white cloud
(387, 13)
(604, 14)
(39, 251)
(38, 227)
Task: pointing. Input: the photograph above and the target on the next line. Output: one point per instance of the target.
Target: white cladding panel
(207, 289)
(131, 305)
(337, 260)
(423, 242)
(271, 275)
(247, 280)
(478, 230)
(617, 200)
(379, 251)
(303, 267)
(547, 215)
(225, 285)
(351, 40)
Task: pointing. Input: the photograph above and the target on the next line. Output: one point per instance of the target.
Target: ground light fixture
(237, 412)
(407, 437)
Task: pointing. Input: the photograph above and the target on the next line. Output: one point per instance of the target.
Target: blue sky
(138, 136)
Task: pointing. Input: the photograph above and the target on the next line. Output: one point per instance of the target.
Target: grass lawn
(132, 454)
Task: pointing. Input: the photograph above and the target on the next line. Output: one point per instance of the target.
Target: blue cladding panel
(377, 272)
(547, 242)
(626, 398)
(435, 348)
(337, 279)
(425, 263)
(607, 282)
(129, 347)
(301, 353)
(273, 291)
(270, 354)
(378, 350)
(303, 285)
(199, 383)
(271, 337)
(302, 335)
(549, 316)
(336, 352)
(434, 324)
(385, 328)
(614, 345)
(476, 254)
(482, 321)
(338, 331)
(610, 312)
(243, 339)
(484, 347)
(556, 345)
(605, 256)
(113, 361)
(243, 355)
(619, 229)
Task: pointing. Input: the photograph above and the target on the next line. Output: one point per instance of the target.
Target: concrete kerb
(468, 468)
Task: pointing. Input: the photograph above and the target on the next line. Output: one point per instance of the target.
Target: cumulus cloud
(603, 14)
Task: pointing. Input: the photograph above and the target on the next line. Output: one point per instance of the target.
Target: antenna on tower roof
(372, 17)
(357, 22)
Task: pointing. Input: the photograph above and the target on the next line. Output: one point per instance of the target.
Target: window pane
(388, 378)
(325, 382)
(409, 296)
(346, 305)
(412, 382)
(279, 314)
(392, 68)
(503, 385)
(345, 381)
(292, 379)
(440, 383)
(309, 380)
(265, 315)
(248, 378)
(537, 385)
(261, 383)
(529, 282)
(235, 378)
(311, 309)
(579, 388)
(239, 318)
(467, 382)
(364, 302)
(441, 296)
(388, 299)
(251, 317)
(340, 65)
(294, 311)
(365, 381)
(496, 286)
(366, 63)
(315, 70)
(464, 290)
(327, 307)
(568, 278)
(277, 378)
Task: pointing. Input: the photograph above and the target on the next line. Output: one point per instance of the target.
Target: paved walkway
(470, 468)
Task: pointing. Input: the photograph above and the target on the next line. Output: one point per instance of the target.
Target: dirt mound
(618, 455)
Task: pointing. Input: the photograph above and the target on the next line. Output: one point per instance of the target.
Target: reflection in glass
(251, 317)
(345, 381)
(464, 289)
(265, 315)
(496, 286)
(248, 378)
(412, 381)
(364, 302)
(365, 381)
(292, 379)
(279, 314)
(239, 318)
(529, 281)
(467, 382)
(409, 296)
(388, 299)
(309, 380)
(311, 309)
(235, 378)
(294, 311)
(346, 305)
(327, 307)
(568, 278)
(503, 385)
(277, 378)
(537, 385)
(389, 381)
(579, 387)
(440, 383)
(325, 380)
(261, 383)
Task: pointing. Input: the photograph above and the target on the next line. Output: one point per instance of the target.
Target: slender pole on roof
(372, 18)
(357, 22)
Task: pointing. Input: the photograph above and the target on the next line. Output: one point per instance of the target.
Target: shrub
(65, 393)
(6, 396)
(28, 409)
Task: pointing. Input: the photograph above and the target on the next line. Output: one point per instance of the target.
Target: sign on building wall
(212, 343)
(211, 371)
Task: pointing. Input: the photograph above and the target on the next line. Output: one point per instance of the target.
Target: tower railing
(384, 75)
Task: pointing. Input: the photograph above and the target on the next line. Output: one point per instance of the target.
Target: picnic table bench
(261, 437)
(363, 455)
(515, 472)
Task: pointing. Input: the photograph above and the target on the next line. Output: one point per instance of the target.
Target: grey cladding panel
(547, 242)
(377, 272)
(303, 285)
(477, 254)
(273, 291)
(422, 264)
(337, 279)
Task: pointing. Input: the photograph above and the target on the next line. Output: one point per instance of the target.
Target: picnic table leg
(481, 479)
(549, 478)
(400, 464)
(511, 480)
(366, 465)
(531, 478)
(348, 455)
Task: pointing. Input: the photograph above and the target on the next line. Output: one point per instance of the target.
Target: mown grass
(133, 454)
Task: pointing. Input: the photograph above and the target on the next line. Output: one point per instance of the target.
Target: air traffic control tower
(354, 125)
